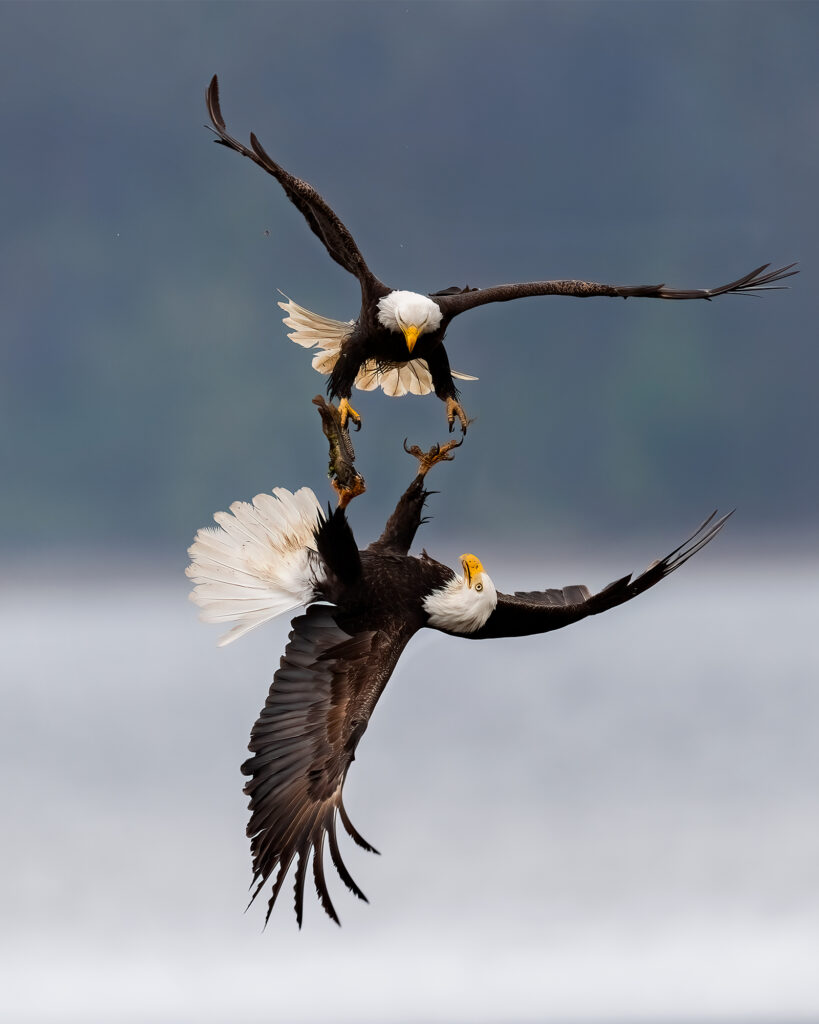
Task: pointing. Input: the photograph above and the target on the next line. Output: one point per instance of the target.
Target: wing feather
(752, 283)
(322, 891)
(322, 221)
(528, 612)
(303, 743)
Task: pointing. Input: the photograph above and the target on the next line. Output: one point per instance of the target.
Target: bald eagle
(396, 343)
(281, 552)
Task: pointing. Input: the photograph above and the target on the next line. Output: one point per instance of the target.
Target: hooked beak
(472, 567)
(411, 334)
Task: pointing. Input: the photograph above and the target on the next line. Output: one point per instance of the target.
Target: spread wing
(303, 744)
(322, 220)
(756, 281)
(530, 612)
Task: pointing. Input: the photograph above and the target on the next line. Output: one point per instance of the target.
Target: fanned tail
(258, 562)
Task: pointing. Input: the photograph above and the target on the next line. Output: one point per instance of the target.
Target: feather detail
(325, 360)
(326, 336)
(311, 330)
(410, 378)
(458, 607)
(260, 560)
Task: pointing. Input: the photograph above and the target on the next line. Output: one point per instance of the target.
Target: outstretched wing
(756, 281)
(303, 744)
(530, 612)
(323, 222)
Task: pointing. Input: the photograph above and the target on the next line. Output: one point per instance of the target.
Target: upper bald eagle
(397, 341)
(280, 552)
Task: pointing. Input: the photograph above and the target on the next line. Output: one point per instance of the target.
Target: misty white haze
(615, 821)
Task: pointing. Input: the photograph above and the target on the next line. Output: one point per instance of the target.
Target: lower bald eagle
(281, 551)
(396, 343)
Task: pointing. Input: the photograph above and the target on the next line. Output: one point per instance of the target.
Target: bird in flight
(396, 342)
(280, 552)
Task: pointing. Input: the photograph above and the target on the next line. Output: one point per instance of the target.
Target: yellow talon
(348, 412)
(453, 409)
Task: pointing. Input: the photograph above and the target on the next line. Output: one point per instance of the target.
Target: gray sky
(147, 379)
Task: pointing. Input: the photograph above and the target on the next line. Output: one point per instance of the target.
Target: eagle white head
(466, 602)
(410, 313)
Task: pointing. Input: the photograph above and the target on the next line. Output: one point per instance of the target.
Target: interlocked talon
(437, 453)
(453, 409)
(348, 413)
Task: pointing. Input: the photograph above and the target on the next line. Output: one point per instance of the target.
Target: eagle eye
(479, 586)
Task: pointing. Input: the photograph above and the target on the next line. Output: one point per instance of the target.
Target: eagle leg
(453, 409)
(348, 413)
(437, 453)
(347, 482)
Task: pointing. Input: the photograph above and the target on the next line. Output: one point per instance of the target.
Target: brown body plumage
(341, 654)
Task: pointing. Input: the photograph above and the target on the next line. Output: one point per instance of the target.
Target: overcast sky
(147, 379)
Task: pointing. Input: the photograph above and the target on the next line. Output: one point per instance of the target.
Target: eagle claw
(348, 413)
(346, 494)
(453, 409)
(437, 453)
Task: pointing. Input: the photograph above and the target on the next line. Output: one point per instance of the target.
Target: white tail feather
(259, 562)
(311, 330)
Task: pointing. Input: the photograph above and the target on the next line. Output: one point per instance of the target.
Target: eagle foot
(348, 413)
(453, 409)
(346, 494)
(437, 453)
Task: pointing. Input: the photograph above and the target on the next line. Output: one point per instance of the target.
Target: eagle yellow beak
(411, 334)
(472, 568)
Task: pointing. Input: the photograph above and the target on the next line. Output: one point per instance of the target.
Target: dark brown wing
(303, 744)
(756, 281)
(322, 220)
(530, 612)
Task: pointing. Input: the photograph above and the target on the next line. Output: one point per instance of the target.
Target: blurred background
(619, 821)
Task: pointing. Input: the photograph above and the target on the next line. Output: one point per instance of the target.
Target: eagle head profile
(464, 603)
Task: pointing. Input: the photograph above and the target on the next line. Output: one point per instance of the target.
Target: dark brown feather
(323, 222)
(754, 282)
(338, 660)
(303, 744)
(402, 525)
(525, 613)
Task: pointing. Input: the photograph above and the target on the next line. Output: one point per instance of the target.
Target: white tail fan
(311, 330)
(258, 562)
